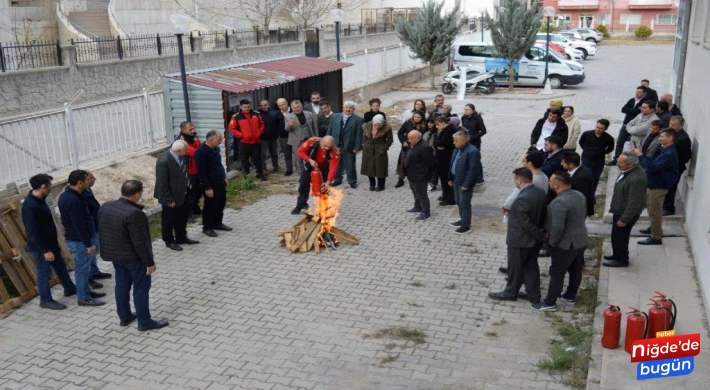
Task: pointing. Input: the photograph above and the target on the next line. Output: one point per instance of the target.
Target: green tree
(430, 34)
(513, 34)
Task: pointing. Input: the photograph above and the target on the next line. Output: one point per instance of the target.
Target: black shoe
(91, 302)
(400, 183)
(463, 230)
(611, 163)
(645, 231)
(262, 178)
(52, 305)
(224, 228)
(196, 212)
(188, 241)
(209, 232)
(650, 241)
(95, 294)
(378, 189)
(296, 210)
(94, 284)
(414, 210)
(337, 183)
(610, 257)
(614, 263)
(668, 212)
(503, 270)
(129, 320)
(456, 224)
(372, 188)
(353, 185)
(442, 203)
(440, 198)
(422, 217)
(544, 306)
(174, 246)
(70, 293)
(544, 253)
(102, 275)
(153, 325)
(568, 300)
(288, 173)
(524, 296)
(501, 296)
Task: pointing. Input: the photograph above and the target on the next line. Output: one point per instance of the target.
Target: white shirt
(547, 129)
(621, 176)
(571, 173)
(316, 108)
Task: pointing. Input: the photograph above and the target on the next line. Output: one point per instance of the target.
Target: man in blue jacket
(661, 174)
(463, 174)
(214, 182)
(94, 207)
(79, 232)
(42, 242)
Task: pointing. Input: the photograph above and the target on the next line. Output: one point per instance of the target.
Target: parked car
(588, 34)
(586, 47)
(571, 35)
(565, 51)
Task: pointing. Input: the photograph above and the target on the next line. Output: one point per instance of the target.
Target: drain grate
(486, 211)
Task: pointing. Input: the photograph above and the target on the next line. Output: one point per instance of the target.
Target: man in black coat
(418, 167)
(273, 126)
(42, 242)
(546, 127)
(124, 234)
(651, 94)
(94, 207)
(684, 147)
(582, 179)
(553, 155)
(524, 239)
(214, 183)
(172, 188)
(631, 109)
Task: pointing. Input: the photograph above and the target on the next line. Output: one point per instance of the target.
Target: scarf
(188, 138)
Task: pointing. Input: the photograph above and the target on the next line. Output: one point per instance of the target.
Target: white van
(529, 70)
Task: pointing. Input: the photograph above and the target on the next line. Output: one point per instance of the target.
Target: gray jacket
(565, 220)
(527, 218)
(170, 180)
(639, 127)
(298, 133)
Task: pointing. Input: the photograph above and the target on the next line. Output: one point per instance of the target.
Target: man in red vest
(318, 153)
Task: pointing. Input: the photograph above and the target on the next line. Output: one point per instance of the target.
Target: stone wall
(388, 83)
(41, 89)
(358, 43)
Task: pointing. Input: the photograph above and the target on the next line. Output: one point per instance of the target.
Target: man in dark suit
(346, 129)
(651, 94)
(567, 238)
(553, 155)
(172, 187)
(464, 172)
(418, 166)
(668, 98)
(214, 183)
(582, 179)
(314, 105)
(627, 203)
(553, 124)
(524, 239)
(684, 148)
(631, 109)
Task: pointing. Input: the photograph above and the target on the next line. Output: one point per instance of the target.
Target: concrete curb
(594, 373)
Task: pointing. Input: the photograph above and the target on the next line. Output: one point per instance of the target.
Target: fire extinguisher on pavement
(612, 327)
(659, 318)
(636, 327)
(667, 303)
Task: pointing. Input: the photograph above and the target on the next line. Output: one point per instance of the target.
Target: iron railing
(353, 29)
(213, 40)
(110, 48)
(16, 56)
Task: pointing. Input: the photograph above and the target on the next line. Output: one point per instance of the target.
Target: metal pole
(680, 69)
(481, 27)
(184, 77)
(337, 40)
(547, 52)
(71, 131)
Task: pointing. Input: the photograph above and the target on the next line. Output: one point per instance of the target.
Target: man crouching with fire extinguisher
(322, 157)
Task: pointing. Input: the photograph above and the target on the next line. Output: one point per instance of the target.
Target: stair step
(96, 23)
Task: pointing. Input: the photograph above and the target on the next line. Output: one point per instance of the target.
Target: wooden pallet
(306, 236)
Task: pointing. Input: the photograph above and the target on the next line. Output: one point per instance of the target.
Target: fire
(326, 208)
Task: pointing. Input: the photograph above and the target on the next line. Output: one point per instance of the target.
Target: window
(535, 54)
(474, 51)
(667, 20)
(603, 19)
(631, 18)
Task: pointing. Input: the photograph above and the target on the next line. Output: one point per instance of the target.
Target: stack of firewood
(309, 234)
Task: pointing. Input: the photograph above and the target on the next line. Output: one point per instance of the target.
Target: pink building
(659, 15)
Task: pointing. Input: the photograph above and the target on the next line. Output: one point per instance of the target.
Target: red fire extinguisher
(659, 318)
(316, 182)
(612, 327)
(636, 327)
(668, 304)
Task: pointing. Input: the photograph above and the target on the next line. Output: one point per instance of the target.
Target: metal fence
(16, 56)
(212, 40)
(110, 48)
(59, 139)
(377, 63)
(353, 29)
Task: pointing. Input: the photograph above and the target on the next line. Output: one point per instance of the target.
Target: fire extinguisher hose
(645, 332)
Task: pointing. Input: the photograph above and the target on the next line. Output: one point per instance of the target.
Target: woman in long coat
(376, 140)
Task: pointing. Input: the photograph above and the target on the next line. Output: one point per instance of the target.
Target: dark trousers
(596, 168)
(287, 150)
(254, 151)
(620, 239)
(562, 262)
(44, 274)
(272, 147)
(400, 162)
(347, 166)
(304, 187)
(463, 200)
(195, 194)
(523, 268)
(213, 210)
(620, 141)
(669, 201)
(380, 182)
(174, 220)
(447, 191)
(133, 275)
(480, 166)
(421, 198)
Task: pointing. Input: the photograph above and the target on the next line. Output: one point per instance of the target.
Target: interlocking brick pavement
(245, 313)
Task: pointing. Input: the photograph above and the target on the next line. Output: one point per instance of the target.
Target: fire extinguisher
(612, 327)
(668, 304)
(659, 318)
(636, 327)
(316, 182)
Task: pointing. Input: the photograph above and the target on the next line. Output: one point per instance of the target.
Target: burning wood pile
(317, 231)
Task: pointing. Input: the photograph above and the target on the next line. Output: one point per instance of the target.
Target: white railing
(60, 139)
(377, 63)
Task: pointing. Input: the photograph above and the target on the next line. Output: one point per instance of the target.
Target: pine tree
(513, 34)
(431, 34)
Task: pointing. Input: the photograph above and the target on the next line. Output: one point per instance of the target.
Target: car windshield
(552, 52)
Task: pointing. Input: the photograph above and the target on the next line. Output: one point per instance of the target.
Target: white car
(586, 47)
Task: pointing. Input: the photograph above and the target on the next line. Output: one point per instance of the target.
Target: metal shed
(215, 93)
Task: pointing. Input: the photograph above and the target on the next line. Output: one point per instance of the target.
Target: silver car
(588, 34)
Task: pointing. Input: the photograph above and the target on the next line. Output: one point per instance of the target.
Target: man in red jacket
(321, 154)
(189, 135)
(247, 126)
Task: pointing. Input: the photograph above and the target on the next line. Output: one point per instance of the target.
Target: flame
(326, 209)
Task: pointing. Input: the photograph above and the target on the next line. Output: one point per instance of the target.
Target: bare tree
(307, 13)
(261, 11)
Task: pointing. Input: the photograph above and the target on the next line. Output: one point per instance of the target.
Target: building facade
(617, 15)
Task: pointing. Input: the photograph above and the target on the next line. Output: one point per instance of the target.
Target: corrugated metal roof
(250, 77)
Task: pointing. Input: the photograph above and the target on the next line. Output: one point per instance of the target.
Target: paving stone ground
(247, 314)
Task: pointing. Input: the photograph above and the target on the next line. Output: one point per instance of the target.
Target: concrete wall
(357, 43)
(34, 90)
(388, 83)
